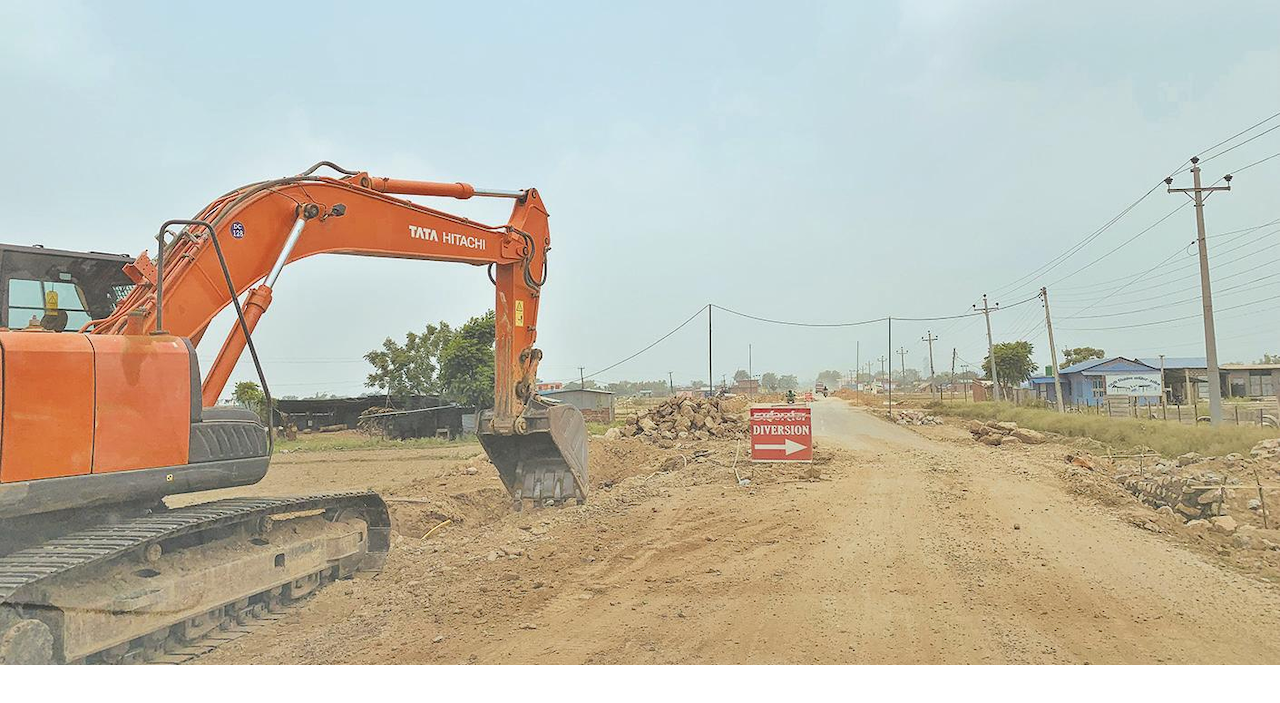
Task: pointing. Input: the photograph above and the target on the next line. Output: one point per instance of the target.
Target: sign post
(781, 433)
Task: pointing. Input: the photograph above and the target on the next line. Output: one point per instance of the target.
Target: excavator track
(168, 586)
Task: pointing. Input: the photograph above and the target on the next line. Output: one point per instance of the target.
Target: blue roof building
(1090, 382)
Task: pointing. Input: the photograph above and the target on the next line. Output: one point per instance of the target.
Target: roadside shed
(596, 405)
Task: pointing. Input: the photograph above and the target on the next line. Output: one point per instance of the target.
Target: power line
(1123, 244)
(651, 346)
(1255, 163)
(1190, 288)
(1247, 284)
(1071, 251)
(1133, 279)
(1242, 132)
(1172, 319)
(798, 324)
(1207, 159)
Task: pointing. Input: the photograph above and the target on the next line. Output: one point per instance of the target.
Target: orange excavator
(99, 425)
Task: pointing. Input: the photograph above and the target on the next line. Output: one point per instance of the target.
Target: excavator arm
(264, 227)
(539, 447)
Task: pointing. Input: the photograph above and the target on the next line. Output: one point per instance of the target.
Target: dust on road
(910, 549)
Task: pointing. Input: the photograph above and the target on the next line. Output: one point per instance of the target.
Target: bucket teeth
(546, 462)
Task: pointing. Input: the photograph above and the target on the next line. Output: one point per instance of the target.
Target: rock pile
(1266, 450)
(1000, 434)
(1194, 496)
(915, 417)
(685, 419)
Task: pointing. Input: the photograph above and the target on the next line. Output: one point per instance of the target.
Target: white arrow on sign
(788, 446)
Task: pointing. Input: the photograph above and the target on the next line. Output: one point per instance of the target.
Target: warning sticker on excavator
(519, 313)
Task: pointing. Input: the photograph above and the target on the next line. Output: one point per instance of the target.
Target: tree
(788, 383)
(740, 375)
(1269, 359)
(1013, 363)
(247, 394)
(403, 370)
(466, 363)
(769, 381)
(1079, 354)
(830, 379)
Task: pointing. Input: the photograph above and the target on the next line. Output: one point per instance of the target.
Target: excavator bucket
(544, 457)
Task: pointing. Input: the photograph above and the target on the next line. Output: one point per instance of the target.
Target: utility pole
(582, 381)
(1053, 351)
(671, 383)
(928, 337)
(1162, 380)
(881, 360)
(858, 365)
(711, 378)
(991, 347)
(953, 373)
(890, 327)
(1198, 194)
(749, 369)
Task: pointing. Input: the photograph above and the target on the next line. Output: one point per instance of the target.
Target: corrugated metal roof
(1082, 366)
(1115, 363)
(1178, 362)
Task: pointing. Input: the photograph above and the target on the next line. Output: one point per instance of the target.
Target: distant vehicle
(820, 388)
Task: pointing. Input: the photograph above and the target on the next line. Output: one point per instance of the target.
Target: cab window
(27, 300)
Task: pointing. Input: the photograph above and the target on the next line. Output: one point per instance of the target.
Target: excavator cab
(59, 290)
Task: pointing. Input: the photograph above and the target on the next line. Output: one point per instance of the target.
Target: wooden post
(1262, 500)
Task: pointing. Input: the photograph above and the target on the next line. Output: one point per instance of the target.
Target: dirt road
(911, 549)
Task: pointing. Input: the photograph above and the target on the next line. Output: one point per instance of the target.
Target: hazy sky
(814, 162)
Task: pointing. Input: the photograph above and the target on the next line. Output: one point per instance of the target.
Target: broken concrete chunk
(1223, 523)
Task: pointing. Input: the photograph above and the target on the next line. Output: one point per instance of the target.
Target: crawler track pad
(546, 463)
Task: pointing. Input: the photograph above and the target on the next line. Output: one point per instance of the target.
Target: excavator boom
(264, 227)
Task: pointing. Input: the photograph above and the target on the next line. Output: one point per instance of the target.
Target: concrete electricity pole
(881, 360)
(928, 337)
(749, 369)
(1198, 194)
(671, 383)
(582, 381)
(1053, 351)
(1162, 380)
(991, 347)
(953, 373)
(902, 361)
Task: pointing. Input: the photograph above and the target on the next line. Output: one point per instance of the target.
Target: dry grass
(1123, 434)
(351, 440)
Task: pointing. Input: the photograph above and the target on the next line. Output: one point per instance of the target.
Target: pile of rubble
(1193, 496)
(915, 417)
(1001, 434)
(685, 418)
(1266, 450)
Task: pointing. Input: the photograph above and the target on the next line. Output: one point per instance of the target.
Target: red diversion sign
(781, 433)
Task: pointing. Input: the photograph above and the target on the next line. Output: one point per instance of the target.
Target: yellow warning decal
(519, 313)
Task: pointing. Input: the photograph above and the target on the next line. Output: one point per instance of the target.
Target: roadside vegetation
(346, 441)
(1168, 438)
